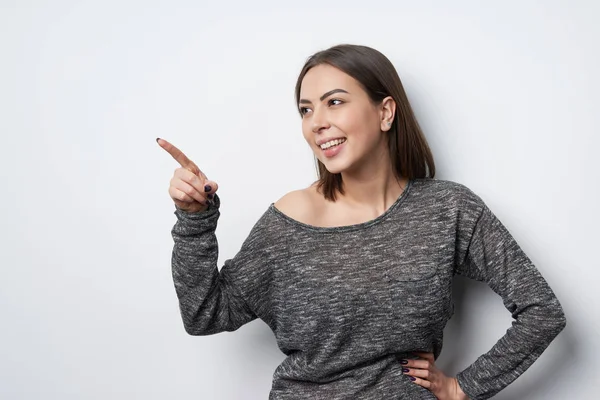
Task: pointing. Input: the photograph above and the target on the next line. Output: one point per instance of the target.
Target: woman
(354, 273)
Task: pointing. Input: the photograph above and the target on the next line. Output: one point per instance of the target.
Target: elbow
(204, 327)
(200, 318)
(560, 322)
(556, 320)
(196, 326)
(190, 330)
(195, 330)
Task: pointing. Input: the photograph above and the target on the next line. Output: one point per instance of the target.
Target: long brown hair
(409, 152)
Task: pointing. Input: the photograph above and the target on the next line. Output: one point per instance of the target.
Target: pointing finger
(179, 157)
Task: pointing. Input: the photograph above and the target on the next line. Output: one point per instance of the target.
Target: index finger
(179, 156)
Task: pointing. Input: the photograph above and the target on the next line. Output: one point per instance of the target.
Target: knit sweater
(346, 303)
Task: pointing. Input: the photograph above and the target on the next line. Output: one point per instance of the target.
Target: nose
(319, 121)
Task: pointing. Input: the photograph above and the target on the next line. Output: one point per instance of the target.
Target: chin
(334, 167)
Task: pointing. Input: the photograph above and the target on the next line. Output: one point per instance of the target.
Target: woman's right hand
(188, 187)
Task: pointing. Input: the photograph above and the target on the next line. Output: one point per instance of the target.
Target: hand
(188, 185)
(426, 374)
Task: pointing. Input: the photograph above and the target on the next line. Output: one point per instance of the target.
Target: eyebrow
(304, 101)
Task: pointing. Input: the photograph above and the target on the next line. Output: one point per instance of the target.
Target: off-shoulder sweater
(346, 303)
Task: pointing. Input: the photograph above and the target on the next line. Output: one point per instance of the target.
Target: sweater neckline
(345, 228)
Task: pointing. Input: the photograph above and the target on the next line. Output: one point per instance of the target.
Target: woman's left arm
(490, 254)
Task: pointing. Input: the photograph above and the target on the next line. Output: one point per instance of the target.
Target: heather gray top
(344, 303)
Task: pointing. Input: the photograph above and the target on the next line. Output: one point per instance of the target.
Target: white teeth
(334, 142)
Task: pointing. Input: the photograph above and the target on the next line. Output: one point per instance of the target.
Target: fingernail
(403, 362)
(210, 196)
(405, 369)
(207, 188)
(412, 378)
(157, 139)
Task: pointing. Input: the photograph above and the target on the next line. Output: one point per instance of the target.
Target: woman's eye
(334, 102)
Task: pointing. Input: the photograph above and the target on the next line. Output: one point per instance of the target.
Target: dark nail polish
(210, 196)
(207, 188)
(412, 378)
(405, 369)
(403, 362)
(157, 139)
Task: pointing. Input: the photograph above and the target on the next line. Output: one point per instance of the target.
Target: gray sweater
(346, 303)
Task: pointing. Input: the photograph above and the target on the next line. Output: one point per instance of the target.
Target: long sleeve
(490, 254)
(210, 301)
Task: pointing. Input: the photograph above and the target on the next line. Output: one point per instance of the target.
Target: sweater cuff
(213, 208)
(470, 388)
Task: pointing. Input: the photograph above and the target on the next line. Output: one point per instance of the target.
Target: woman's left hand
(426, 374)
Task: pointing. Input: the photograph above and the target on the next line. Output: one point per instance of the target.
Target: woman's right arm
(210, 301)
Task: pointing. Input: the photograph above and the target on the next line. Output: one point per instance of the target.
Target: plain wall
(507, 94)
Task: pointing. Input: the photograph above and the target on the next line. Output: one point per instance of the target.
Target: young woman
(353, 274)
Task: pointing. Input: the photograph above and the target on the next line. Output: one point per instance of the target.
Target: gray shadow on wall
(474, 329)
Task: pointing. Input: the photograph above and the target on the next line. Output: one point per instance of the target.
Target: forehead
(323, 78)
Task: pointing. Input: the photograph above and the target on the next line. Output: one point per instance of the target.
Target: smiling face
(335, 106)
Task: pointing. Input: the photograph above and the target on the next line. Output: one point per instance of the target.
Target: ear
(387, 112)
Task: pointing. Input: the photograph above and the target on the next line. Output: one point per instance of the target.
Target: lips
(320, 142)
(339, 140)
(334, 150)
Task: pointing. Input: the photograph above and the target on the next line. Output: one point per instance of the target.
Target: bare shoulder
(299, 204)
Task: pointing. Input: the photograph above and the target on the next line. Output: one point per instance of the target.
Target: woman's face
(334, 106)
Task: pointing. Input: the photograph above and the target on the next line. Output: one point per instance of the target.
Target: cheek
(370, 126)
(307, 133)
(355, 121)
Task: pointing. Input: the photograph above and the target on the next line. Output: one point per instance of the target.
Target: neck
(372, 187)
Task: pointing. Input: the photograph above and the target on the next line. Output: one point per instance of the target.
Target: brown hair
(409, 152)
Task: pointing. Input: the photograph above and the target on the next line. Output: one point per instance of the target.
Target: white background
(507, 94)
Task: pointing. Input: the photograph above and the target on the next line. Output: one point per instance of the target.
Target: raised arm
(488, 252)
(209, 300)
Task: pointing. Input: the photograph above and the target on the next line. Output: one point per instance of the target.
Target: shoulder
(454, 200)
(441, 186)
(298, 204)
(445, 191)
